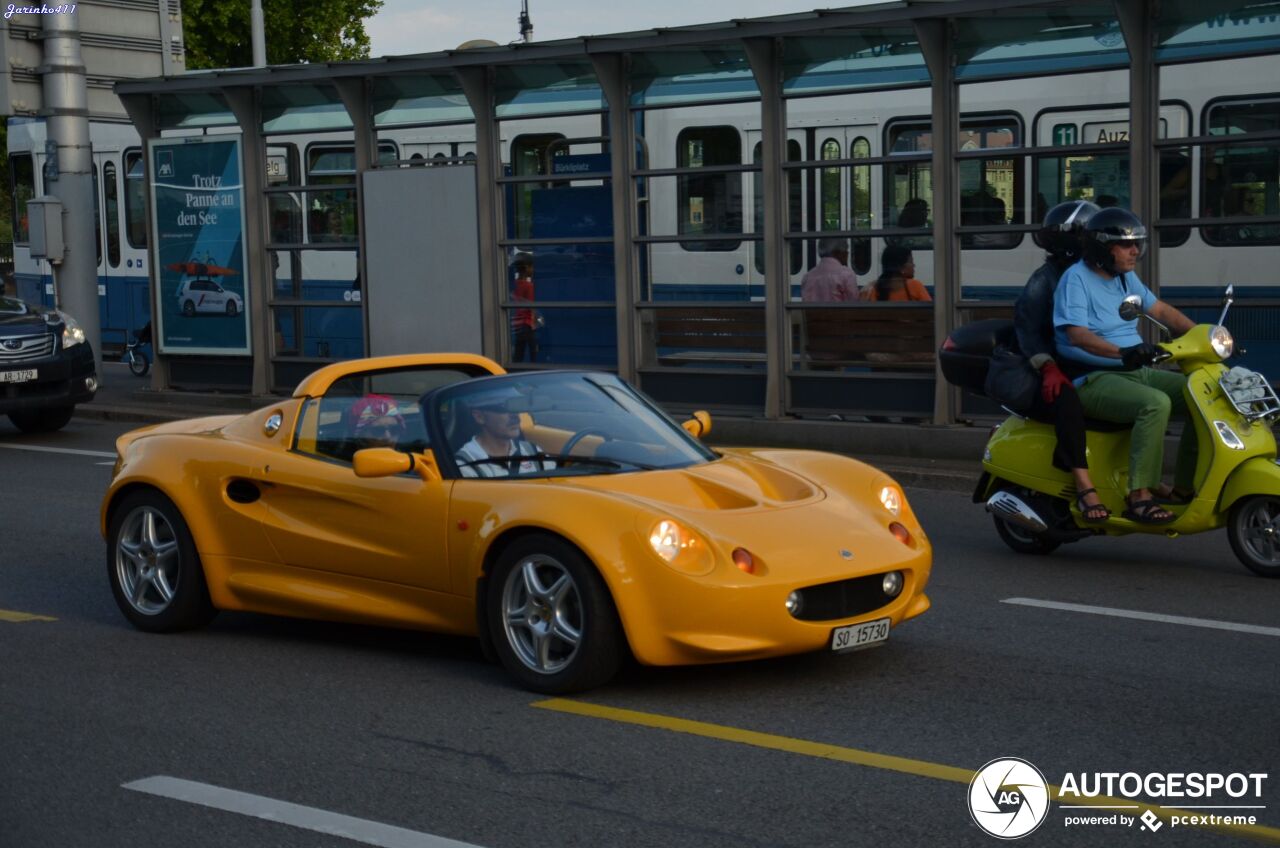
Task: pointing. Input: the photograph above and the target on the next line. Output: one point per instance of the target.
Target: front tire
(139, 364)
(232, 309)
(42, 420)
(188, 308)
(551, 618)
(1253, 528)
(153, 567)
(1022, 540)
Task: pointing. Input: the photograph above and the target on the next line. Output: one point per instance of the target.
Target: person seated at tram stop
(1059, 236)
(375, 421)
(897, 280)
(1110, 363)
(496, 448)
(831, 280)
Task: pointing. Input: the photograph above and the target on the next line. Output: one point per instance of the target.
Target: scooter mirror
(1131, 308)
(1228, 298)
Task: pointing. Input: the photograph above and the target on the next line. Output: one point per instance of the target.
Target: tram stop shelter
(673, 187)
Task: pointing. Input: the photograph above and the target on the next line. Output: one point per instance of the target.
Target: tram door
(114, 301)
(844, 195)
(794, 215)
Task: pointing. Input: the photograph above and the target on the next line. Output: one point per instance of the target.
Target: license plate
(854, 637)
(18, 376)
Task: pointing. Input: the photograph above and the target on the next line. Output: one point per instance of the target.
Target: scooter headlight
(1221, 342)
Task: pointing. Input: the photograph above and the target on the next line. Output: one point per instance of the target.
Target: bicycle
(137, 359)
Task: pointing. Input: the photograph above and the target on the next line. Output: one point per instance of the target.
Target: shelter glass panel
(795, 206)
(192, 109)
(416, 100)
(844, 60)
(560, 207)
(1190, 29)
(689, 75)
(710, 203)
(578, 336)
(318, 332)
(545, 88)
(1241, 178)
(726, 337)
(1026, 42)
(22, 177)
(302, 108)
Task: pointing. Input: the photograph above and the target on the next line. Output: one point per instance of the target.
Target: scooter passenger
(1057, 401)
(1110, 361)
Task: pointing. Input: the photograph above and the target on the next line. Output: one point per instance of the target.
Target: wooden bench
(881, 337)
(875, 336)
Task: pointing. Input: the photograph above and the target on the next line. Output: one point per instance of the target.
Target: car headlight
(72, 334)
(1221, 342)
(680, 548)
(891, 499)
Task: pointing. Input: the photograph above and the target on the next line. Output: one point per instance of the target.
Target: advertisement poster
(198, 202)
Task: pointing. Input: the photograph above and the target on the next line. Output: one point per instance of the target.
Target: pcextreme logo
(1008, 798)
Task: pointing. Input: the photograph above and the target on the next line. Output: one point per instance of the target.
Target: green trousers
(1146, 397)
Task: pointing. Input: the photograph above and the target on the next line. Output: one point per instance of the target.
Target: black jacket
(1033, 314)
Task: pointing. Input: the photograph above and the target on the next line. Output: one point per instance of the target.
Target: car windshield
(556, 424)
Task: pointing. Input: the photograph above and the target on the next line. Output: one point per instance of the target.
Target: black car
(46, 366)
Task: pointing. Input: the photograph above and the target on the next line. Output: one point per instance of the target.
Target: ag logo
(1008, 798)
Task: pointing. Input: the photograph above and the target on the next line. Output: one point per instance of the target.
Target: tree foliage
(217, 32)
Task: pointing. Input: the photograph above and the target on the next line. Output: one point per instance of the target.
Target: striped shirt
(471, 452)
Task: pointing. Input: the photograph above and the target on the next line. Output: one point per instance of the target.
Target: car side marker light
(743, 559)
(902, 534)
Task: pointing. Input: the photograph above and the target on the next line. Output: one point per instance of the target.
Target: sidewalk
(915, 455)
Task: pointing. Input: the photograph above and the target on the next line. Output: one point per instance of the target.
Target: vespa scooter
(1237, 478)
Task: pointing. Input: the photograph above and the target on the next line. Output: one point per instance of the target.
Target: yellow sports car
(559, 516)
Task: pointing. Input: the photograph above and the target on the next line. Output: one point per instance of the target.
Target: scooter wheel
(139, 364)
(1022, 540)
(1253, 528)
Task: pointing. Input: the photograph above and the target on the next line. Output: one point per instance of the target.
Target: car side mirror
(699, 425)
(388, 462)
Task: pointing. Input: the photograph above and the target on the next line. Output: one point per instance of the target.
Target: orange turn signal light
(901, 533)
(743, 559)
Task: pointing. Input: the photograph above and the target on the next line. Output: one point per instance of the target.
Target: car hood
(189, 426)
(22, 316)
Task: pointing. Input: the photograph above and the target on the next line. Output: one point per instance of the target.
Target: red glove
(1052, 381)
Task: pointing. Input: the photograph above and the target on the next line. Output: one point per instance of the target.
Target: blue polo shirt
(1085, 299)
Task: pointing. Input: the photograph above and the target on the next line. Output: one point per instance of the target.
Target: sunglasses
(381, 432)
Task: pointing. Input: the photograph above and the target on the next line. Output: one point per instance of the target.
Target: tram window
(529, 158)
(135, 206)
(860, 200)
(795, 207)
(284, 211)
(111, 194)
(1241, 179)
(990, 189)
(22, 177)
(711, 203)
(829, 188)
(331, 215)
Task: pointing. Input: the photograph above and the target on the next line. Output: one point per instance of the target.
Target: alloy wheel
(147, 561)
(542, 614)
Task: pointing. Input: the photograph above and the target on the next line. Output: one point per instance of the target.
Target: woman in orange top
(897, 277)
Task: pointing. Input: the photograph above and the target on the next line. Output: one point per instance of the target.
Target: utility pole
(257, 34)
(69, 172)
(526, 23)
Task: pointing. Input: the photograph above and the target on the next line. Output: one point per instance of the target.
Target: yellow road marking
(10, 615)
(821, 750)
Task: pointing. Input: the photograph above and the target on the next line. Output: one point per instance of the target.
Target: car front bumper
(65, 379)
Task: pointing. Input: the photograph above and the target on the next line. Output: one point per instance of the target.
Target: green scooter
(1237, 480)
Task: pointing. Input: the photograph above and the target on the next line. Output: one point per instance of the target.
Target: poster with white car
(198, 203)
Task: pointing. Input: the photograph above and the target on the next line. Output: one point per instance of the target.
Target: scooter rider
(1110, 361)
(1057, 401)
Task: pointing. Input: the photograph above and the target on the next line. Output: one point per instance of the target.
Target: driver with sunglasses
(1110, 362)
(376, 422)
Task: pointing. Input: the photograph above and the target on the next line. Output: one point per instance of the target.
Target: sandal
(1091, 513)
(1148, 512)
(1174, 496)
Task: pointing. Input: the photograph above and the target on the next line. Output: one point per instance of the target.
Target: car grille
(23, 348)
(842, 599)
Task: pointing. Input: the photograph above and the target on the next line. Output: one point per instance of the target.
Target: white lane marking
(1209, 623)
(295, 815)
(43, 449)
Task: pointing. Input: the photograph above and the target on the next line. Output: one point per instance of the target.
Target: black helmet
(1111, 226)
(1063, 225)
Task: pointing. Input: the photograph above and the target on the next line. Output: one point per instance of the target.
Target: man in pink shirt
(831, 279)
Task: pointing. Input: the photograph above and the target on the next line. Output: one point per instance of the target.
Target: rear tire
(139, 364)
(1253, 528)
(1024, 541)
(188, 308)
(551, 619)
(152, 565)
(42, 420)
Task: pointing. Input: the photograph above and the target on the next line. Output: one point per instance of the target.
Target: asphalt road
(417, 732)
